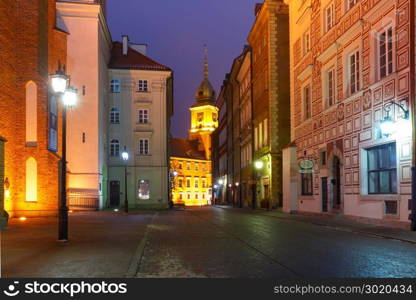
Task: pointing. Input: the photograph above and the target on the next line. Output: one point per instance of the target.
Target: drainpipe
(3, 214)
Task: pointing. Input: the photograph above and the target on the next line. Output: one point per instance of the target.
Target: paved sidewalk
(339, 222)
(102, 244)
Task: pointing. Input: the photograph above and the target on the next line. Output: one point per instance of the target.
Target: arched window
(31, 112)
(115, 115)
(114, 148)
(31, 180)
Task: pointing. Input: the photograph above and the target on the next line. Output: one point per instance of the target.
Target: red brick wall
(30, 51)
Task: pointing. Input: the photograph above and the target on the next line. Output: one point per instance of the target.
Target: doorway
(336, 183)
(114, 193)
(324, 193)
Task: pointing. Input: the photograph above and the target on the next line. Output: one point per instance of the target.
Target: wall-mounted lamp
(388, 126)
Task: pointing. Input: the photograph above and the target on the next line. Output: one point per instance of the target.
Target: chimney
(125, 44)
(257, 8)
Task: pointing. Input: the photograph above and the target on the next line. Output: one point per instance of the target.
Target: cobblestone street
(215, 242)
(207, 242)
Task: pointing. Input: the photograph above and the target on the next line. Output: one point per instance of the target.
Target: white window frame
(115, 85)
(142, 85)
(143, 116)
(307, 102)
(115, 115)
(388, 50)
(330, 86)
(354, 69)
(329, 17)
(114, 148)
(144, 146)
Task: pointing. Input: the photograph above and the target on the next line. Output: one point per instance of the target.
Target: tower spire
(206, 61)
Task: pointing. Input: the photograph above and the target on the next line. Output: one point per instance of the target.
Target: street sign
(306, 166)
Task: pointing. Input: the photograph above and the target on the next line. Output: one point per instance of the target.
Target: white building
(141, 100)
(89, 45)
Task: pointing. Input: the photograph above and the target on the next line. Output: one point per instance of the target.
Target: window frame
(389, 53)
(306, 42)
(115, 83)
(356, 73)
(392, 171)
(144, 146)
(329, 25)
(115, 115)
(306, 180)
(330, 86)
(115, 148)
(142, 85)
(144, 116)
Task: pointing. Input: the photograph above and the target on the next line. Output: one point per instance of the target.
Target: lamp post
(388, 127)
(60, 86)
(258, 165)
(125, 157)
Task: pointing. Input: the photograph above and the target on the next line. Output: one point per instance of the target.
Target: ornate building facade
(190, 161)
(351, 72)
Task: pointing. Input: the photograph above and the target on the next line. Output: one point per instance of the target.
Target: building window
(144, 146)
(382, 169)
(188, 182)
(330, 87)
(196, 196)
(180, 166)
(144, 189)
(329, 17)
(307, 102)
(180, 183)
(196, 181)
(354, 69)
(31, 180)
(115, 116)
(307, 184)
(142, 86)
(143, 116)
(306, 43)
(114, 148)
(115, 86)
(31, 112)
(204, 183)
(265, 132)
(204, 168)
(200, 117)
(188, 166)
(214, 117)
(351, 3)
(188, 196)
(391, 208)
(386, 52)
(180, 196)
(196, 167)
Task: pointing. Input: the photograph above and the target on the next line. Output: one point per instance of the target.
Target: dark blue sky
(176, 31)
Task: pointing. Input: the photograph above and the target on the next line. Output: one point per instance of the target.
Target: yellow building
(190, 161)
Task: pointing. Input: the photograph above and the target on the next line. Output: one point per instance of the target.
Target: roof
(186, 149)
(133, 60)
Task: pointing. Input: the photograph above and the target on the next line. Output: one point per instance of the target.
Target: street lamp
(388, 126)
(125, 157)
(258, 165)
(59, 83)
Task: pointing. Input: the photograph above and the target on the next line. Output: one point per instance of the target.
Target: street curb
(344, 229)
(138, 254)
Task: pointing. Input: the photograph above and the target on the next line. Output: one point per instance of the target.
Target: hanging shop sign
(306, 166)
